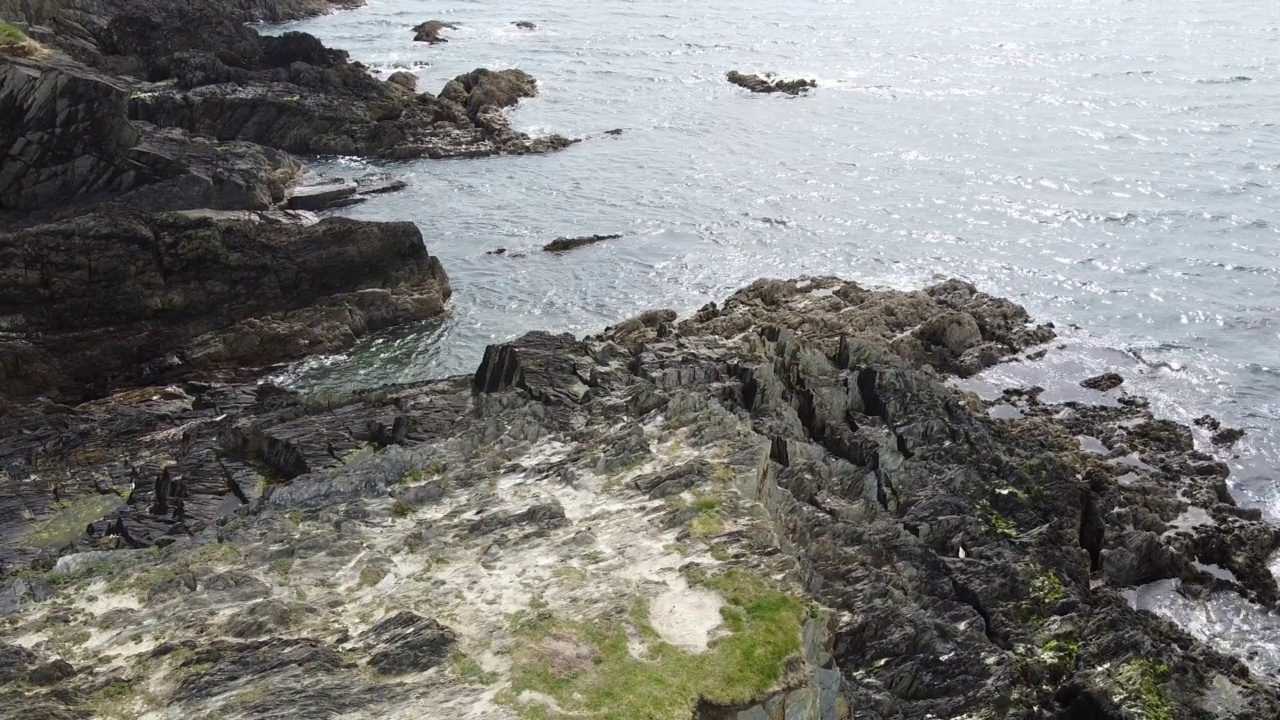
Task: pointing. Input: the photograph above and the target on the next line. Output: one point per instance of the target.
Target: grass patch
(466, 669)
(588, 670)
(707, 524)
(402, 509)
(280, 567)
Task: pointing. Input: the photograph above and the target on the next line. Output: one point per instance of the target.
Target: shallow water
(1113, 165)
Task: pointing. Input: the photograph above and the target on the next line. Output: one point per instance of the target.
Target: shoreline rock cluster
(777, 504)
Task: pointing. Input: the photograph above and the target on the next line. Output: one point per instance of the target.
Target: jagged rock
(1227, 436)
(1103, 382)
(405, 643)
(770, 83)
(429, 31)
(525, 25)
(566, 244)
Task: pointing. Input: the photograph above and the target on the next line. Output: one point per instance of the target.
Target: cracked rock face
(777, 507)
(114, 300)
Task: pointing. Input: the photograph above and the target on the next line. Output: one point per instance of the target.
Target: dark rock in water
(1208, 422)
(378, 183)
(405, 643)
(615, 132)
(1103, 382)
(565, 244)
(429, 31)
(770, 83)
(1227, 436)
(499, 251)
(525, 25)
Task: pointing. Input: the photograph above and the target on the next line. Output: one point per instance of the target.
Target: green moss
(280, 566)
(69, 520)
(998, 522)
(245, 697)
(570, 574)
(1047, 588)
(372, 575)
(1137, 685)
(723, 474)
(466, 669)
(416, 475)
(1062, 652)
(402, 509)
(297, 516)
(588, 669)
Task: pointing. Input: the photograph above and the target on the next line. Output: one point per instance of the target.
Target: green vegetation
(998, 522)
(372, 575)
(469, 671)
(1062, 652)
(1138, 685)
(69, 520)
(402, 509)
(10, 36)
(280, 566)
(416, 475)
(1047, 588)
(588, 669)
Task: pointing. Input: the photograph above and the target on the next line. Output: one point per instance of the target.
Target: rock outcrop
(777, 506)
(429, 31)
(119, 299)
(769, 83)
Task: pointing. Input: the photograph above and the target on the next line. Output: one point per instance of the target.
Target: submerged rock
(769, 83)
(525, 25)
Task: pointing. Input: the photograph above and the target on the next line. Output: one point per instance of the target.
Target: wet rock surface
(622, 519)
(770, 83)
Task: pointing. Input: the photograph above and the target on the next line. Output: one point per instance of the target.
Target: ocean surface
(1112, 165)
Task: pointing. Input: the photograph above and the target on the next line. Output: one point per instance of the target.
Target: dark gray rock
(770, 83)
(405, 643)
(565, 244)
(1103, 382)
(429, 31)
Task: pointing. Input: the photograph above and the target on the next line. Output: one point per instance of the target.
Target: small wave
(1225, 81)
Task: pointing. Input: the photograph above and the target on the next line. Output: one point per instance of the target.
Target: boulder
(429, 31)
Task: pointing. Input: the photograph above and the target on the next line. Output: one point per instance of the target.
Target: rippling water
(1113, 165)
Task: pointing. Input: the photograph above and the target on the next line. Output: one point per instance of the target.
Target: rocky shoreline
(775, 506)
(780, 506)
